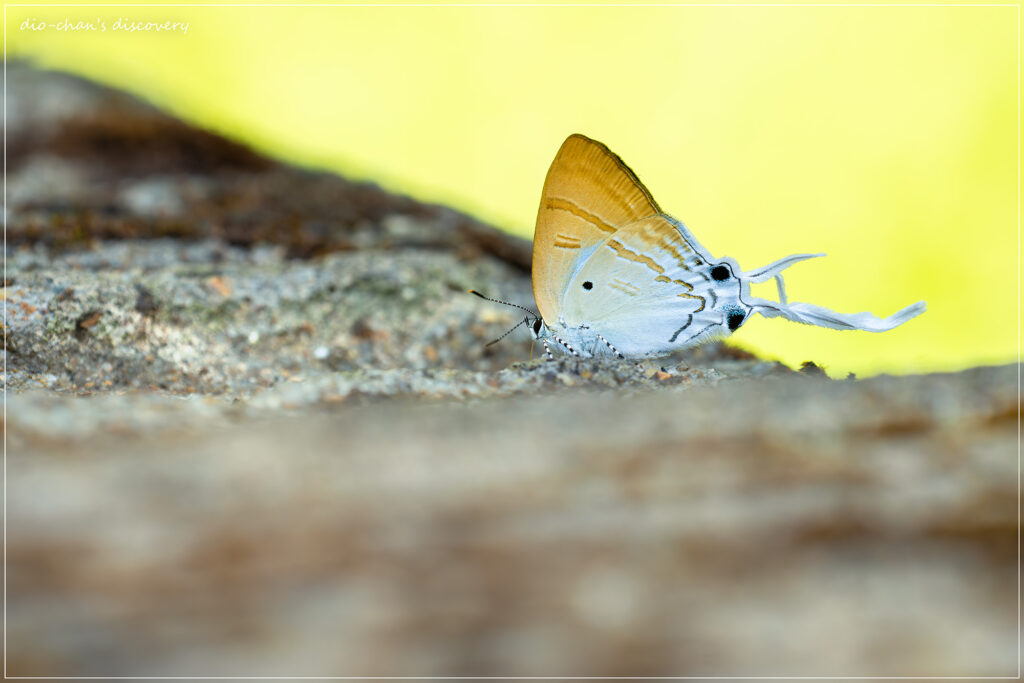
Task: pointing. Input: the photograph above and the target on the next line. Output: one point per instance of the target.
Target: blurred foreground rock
(253, 429)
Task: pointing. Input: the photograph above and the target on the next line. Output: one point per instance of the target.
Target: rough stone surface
(254, 429)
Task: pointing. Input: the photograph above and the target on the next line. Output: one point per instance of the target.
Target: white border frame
(560, 678)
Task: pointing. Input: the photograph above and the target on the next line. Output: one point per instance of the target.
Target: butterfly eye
(536, 326)
(720, 273)
(735, 318)
(588, 285)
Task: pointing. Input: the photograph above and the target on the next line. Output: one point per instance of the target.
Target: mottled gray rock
(203, 317)
(786, 526)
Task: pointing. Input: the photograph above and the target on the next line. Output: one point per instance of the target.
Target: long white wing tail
(809, 314)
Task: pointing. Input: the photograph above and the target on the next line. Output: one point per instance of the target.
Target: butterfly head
(537, 328)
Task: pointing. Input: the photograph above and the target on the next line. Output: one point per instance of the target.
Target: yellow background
(886, 136)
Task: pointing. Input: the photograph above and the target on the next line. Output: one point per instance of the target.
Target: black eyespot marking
(735, 319)
(588, 285)
(720, 273)
(536, 326)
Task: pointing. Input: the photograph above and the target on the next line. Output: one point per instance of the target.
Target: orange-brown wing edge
(589, 193)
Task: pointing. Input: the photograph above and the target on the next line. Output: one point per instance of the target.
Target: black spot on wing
(720, 273)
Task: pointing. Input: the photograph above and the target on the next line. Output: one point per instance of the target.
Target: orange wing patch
(658, 232)
(567, 242)
(624, 287)
(622, 252)
(559, 204)
(686, 294)
(589, 193)
(703, 301)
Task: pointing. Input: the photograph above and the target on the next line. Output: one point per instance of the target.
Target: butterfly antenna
(492, 343)
(499, 301)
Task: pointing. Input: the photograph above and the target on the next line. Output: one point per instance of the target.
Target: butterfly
(614, 274)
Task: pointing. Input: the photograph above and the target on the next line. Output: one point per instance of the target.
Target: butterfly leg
(609, 345)
(566, 345)
(547, 349)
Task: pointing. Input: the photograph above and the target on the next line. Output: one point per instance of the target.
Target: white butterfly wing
(645, 289)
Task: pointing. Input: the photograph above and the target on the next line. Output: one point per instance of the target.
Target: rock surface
(253, 429)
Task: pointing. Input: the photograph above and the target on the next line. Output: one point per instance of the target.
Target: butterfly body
(614, 274)
(634, 298)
